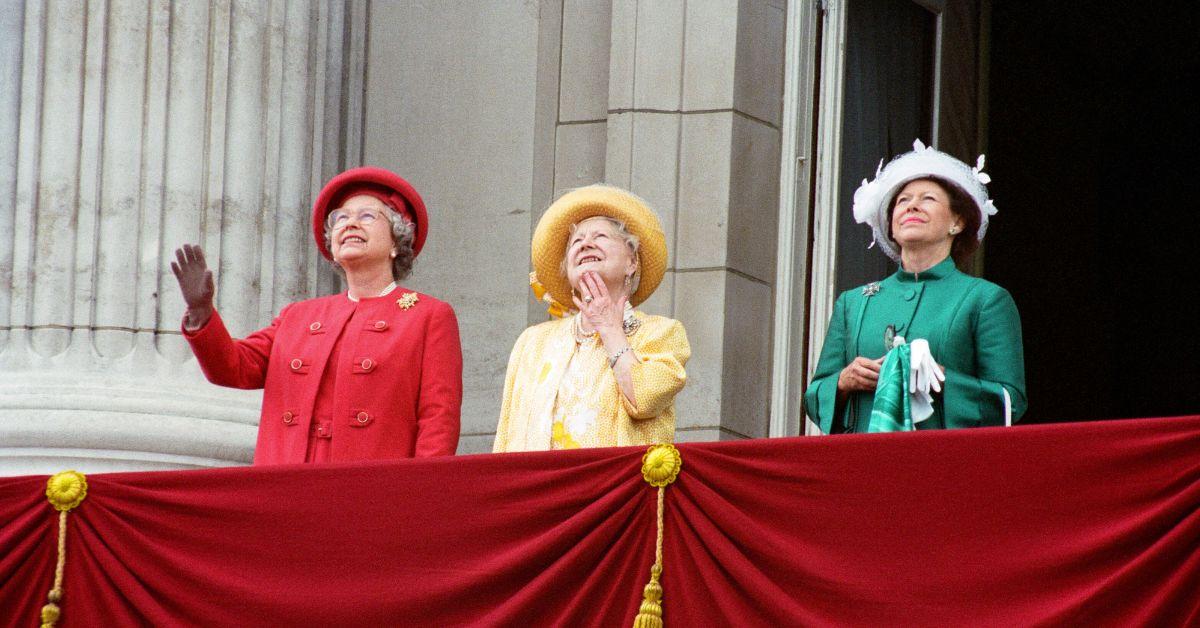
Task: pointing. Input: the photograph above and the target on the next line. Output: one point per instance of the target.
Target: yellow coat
(559, 390)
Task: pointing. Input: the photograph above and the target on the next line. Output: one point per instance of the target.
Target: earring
(628, 282)
(953, 230)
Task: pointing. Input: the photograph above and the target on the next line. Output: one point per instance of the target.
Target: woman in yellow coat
(602, 374)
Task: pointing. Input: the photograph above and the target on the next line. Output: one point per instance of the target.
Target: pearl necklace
(389, 288)
(629, 324)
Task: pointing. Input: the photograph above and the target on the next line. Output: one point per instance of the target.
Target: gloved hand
(925, 378)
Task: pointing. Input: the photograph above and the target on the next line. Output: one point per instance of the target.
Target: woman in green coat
(928, 212)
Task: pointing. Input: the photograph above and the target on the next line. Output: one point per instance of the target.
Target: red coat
(399, 375)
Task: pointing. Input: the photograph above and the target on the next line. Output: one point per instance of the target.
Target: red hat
(384, 185)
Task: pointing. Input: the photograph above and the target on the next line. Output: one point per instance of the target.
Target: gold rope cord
(64, 491)
(660, 466)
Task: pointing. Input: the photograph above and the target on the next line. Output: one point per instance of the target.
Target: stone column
(694, 107)
(135, 127)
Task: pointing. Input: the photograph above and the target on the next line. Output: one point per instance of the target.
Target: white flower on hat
(872, 199)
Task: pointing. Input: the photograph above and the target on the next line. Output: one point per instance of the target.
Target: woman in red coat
(374, 372)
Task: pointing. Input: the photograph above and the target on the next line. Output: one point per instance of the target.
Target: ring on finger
(587, 299)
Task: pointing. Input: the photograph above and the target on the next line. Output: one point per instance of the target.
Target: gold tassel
(650, 612)
(660, 466)
(64, 491)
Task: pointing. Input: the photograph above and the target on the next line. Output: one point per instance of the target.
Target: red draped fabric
(1082, 524)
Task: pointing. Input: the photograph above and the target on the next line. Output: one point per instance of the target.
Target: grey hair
(630, 238)
(403, 235)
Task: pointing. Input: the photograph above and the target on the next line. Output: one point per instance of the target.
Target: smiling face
(921, 216)
(360, 233)
(595, 245)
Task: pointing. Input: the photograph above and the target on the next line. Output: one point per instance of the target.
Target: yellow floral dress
(561, 394)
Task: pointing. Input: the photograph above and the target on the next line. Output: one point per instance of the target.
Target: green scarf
(892, 411)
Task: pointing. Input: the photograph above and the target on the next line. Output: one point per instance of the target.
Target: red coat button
(288, 418)
(315, 326)
(367, 364)
(380, 324)
(363, 417)
(296, 364)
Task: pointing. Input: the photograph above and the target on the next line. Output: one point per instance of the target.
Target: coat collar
(942, 269)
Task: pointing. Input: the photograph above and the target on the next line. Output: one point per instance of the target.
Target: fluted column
(134, 127)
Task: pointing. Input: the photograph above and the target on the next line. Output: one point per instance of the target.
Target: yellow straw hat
(550, 239)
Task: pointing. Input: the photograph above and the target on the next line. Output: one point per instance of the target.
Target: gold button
(380, 324)
(315, 326)
(296, 364)
(288, 417)
(363, 417)
(367, 364)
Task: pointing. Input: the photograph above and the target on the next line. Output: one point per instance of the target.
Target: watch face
(889, 337)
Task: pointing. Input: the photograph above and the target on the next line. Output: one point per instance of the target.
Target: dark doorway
(887, 102)
(1093, 149)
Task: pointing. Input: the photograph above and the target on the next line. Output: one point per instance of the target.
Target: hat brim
(549, 245)
(370, 175)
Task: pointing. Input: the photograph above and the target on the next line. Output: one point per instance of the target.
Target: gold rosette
(660, 466)
(65, 491)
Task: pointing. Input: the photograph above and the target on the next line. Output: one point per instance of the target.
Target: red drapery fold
(1081, 524)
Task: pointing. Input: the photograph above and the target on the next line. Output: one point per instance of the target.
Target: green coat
(973, 330)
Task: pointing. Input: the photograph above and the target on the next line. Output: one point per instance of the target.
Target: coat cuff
(971, 402)
(210, 342)
(202, 330)
(648, 388)
(823, 403)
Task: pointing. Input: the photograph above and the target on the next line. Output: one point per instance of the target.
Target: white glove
(924, 379)
(922, 406)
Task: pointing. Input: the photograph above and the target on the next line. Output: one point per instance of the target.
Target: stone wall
(493, 113)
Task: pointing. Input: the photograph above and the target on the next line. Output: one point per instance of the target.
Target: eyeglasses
(339, 218)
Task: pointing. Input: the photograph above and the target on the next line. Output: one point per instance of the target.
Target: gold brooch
(407, 300)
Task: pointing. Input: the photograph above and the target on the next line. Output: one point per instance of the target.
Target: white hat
(872, 199)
